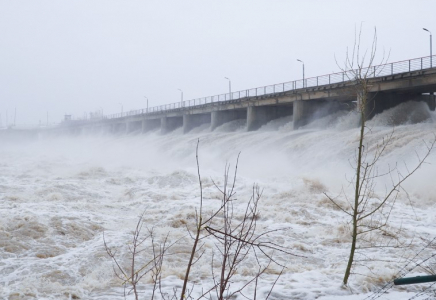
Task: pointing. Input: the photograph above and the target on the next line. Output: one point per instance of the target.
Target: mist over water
(58, 195)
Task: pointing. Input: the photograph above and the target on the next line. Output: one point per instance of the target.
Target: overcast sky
(82, 56)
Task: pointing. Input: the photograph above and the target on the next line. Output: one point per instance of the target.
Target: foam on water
(58, 196)
(403, 114)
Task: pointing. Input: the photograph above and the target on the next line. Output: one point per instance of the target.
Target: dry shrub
(373, 279)
(314, 185)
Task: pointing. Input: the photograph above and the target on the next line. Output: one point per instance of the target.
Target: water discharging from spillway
(59, 194)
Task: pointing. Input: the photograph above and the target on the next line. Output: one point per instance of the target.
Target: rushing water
(58, 195)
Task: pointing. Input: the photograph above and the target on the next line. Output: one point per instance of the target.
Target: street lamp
(230, 88)
(431, 55)
(303, 69)
(181, 101)
(121, 108)
(147, 103)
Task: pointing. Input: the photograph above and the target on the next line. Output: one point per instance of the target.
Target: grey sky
(83, 56)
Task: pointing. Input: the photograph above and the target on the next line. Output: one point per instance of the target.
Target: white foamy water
(58, 195)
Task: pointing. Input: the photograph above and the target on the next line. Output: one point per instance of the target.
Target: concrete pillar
(120, 128)
(377, 102)
(220, 117)
(95, 129)
(150, 124)
(194, 120)
(129, 127)
(112, 128)
(260, 115)
(133, 126)
(107, 129)
(430, 100)
(101, 129)
(123, 128)
(308, 110)
(304, 111)
(168, 124)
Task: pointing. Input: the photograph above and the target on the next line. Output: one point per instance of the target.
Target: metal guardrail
(410, 65)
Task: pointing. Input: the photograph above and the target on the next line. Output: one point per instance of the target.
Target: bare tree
(369, 212)
(132, 274)
(235, 240)
(200, 223)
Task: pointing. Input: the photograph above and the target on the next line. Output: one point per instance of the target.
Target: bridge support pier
(260, 115)
(221, 117)
(96, 129)
(194, 120)
(168, 124)
(111, 128)
(430, 100)
(106, 129)
(133, 126)
(129, 127)
(150, 124)
(304, 111)
(377, 102)
(119, 128)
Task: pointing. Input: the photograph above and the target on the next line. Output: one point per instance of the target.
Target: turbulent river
(58, 195)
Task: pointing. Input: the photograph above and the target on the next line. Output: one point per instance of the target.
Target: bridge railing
(393, 68)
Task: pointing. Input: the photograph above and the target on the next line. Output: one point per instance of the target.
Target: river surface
(58, 195)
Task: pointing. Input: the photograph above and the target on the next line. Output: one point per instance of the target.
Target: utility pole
(147, 103)
(303, 70)
(431, 61)
(230, 88)
(431, 46)
(181, 101)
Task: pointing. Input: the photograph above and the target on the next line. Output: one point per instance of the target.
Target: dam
(305, 99)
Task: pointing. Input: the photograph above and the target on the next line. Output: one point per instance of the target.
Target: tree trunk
(357, 187)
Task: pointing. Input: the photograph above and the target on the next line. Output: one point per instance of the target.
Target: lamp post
(303, 70)
(431, 54)
(230, 88)
(147, 103)
(121, 109)
(181, 101)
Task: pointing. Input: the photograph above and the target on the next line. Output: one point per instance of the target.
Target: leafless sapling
(141, 246)
(368, 211)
